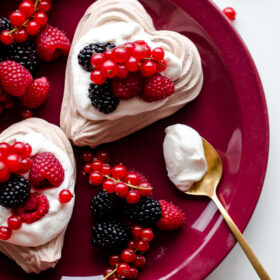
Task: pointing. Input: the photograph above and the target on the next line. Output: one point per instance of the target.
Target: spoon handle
(242, 241)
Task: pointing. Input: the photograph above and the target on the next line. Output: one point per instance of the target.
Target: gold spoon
(207, 187)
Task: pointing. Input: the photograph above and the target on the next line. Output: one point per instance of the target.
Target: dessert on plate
(122, 74)
(37, 180)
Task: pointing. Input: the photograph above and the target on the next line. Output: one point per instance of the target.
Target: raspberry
(36, 207)
(128, 87)
(51, 43)
(36, 93)
(14, 77)
(46, 171)
(157, 87)
(172, 216)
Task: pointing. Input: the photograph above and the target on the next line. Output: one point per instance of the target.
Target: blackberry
(86, 53)
(102, 97)
(23, 53)
(146, 212)
(5, 24)
(14, 192)
(105, 205)
(110, 235)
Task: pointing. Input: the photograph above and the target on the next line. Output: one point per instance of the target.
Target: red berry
(3, 169)
(97, 165)
(28, 149)
(161, 66)
(88, 156)
(121, 189)
(87, 168)
(97, 77)
(32, 28)
(122, 71)
(25, 165)
(147, 235)
(41, 18)
(109, 186)
(97, 60)
(20, 35)
(17, 18)
(120, 54)
(140, 261)
(136, 232)
(103, 156)
(27, 8)
(128, 256)
(2, 156)
(230, 13)
(158, 54)
(114, 260)
(44, 6)
(20, 149)
(108, 54)
(14, 222)
(6, 37)
(140, 42)
(148, 68)
(5, 233)
(6, 178)
(5, 149)
(106, 169)
(145, 189)
(65, 196)
(129, 47)
(133, 197)
(96, 178)
(119, 171)
(13, 162)
(132, 178)
(132, 64)
(107, 271)
(139, 51)
(133, 273)
(131, 245)
(109, 69)
(142, 246)
(26, 114)
(123, 269)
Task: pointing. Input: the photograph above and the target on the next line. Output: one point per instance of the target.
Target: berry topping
(128, 255)
(97, 60)
(14, 192)
(102, 97)
(230, 13)
(120, 54)
(119, 171)
(140, 261)
(128, 87)
(6, 37)
(147, 235)
(109, 186)
(14, 77)
(142, 246)
(157, 87)
(27, 8)
(46, 171)
(4, 170)
(121, 189)
(36, 207)
(103, 156)
(148, 68)
(133, 197)
(137, 232)
(41, 18)
(51, 42)
(97, 77)
(133, 273)
(96, 178)
(172, 217)
(14, 222)
(26, 113)
(5, 233)
(87, 156)
(123, 269)
(36, 93)
(17, 18)
(109, 69)
(97, 165)
(158, 54)
(65, 196)
(111, 235)
(114, 260)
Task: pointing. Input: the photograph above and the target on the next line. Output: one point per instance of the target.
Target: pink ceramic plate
(230, 113)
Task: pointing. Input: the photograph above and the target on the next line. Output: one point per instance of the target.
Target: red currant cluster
(14, 159)
(14, 223)
(6, 101)
(131, 57)
(27, 20)
(126, 265)
(126, 184)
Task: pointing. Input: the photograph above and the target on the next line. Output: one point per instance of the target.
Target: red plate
(230, 113)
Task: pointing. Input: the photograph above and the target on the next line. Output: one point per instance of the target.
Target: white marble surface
(258, 22)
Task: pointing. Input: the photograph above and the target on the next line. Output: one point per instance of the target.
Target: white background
(258, 22)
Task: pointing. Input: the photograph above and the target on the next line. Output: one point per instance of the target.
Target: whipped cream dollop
(184, 156)
(118, 33)
(55, 221)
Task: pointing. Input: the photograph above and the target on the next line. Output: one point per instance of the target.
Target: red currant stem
(131, 186)
(111, 273)
(146, 58)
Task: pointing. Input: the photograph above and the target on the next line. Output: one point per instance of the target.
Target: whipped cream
(184, 156)
(55, 221)
(118, 33)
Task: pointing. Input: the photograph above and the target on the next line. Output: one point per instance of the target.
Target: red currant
(25, 164)
(148, 68)
(5, 233)
(27, 8)
(142, 246)
(145, 189)
(103, 156)
(20, 35)
(13, 162)
(132, 64)
(32, 28)
(140, 261)
(133, 197)
(114, 260)
(106, 169)
(147, 235)
(87, 168)
(26, 114)
(139, 51)
(230, 13)
(20, 149)
(131, 245)
(129, 47)
(97, 77)
(97, 165)
(161, 66)
(41, 18)
(121, 189)
(122, 71)
(158, 54)
(28, 150)
(14, 222)
(119, 171)
(97, 60)
(44, 6)
(136, 232)
(128, 256)
(108, 54)
(6, 178)
(65, 196)
(88, 156)
(123, 269)
(3, 169)
(5, 148)
(107, 271)
(132, 178)
(2, 156)
(96, 178)
(133, 273)
(140, 42)
(109, 186)
(6, 37)
(109, 69)
(120, 54)
(17, 18)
